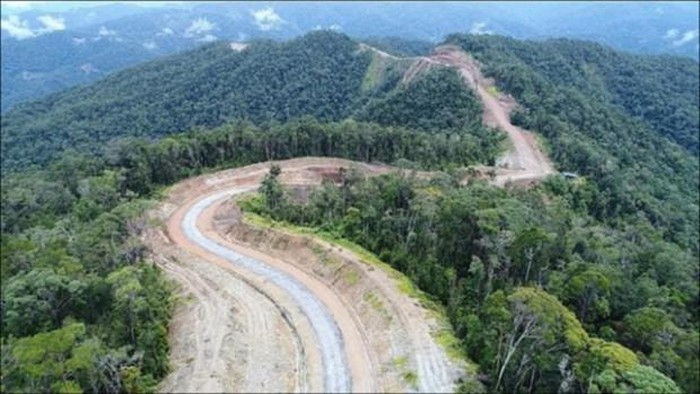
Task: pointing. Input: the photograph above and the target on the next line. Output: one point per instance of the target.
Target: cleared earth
(265, 309)
(387, 337)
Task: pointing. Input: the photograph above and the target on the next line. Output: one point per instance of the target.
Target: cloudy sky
(9, 7)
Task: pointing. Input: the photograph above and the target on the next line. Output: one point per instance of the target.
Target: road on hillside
(336, 373)
(283, 306)
(525, 159)
(327, 328)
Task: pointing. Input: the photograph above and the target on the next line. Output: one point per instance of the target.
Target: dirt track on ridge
(237, 317)
(236, 329)
(524, 160)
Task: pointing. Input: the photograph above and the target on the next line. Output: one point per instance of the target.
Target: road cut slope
(339, 343)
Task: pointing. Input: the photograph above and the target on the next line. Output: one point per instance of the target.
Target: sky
(11, 7)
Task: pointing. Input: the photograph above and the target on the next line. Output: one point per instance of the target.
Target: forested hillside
(573, 285)
(82, 307)
(320, 74)
(659, 90)
(587, 100)
(543, 295)
(317, 75)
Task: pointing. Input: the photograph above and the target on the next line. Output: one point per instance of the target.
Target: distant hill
(96, 41)
(322, 74)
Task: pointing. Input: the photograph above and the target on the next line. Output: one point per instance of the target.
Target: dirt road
(524, 160)
(336, 371)
(257, 320)
(331, 338)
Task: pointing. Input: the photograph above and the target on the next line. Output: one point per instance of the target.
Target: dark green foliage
(435, 101)
(611, 254)
(80, 310)
(659, 90)
(526, 263)
(319, 74)
(71, 249)
(401, 47)
(630, 123)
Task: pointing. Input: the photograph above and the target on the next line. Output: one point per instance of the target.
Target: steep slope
(628, 122)
(140, 34)
(659, 90)
(319, 74)
(323, 74)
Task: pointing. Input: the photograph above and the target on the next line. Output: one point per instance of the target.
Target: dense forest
(639, 172)
(658, 90)
(82, 308)
(314, 75)
(545, 297)
(585, 284)
(103, 38)
(320, 74)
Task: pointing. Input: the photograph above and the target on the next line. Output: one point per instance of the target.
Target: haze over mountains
(47, 47)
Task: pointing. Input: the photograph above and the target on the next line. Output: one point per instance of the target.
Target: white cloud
(20, 29)
(16, 27)
(478, 28)
(333, 27)
(166, 31)
(150, 45)
(199, 26)
(267, 19)
(78, 41)
(52, 24)
(688, 36)
(671, 33)
(208, 38)
(105, 32)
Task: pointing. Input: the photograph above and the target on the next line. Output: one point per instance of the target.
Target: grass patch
(372, 76)
(401, 362)
(352, 277)
(493, 90)
(452, 345)
(374, 301)
(543, 144)
(323, 256)
(411, 378)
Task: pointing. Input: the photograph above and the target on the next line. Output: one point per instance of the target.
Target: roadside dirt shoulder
(400, 330)
(229, 324)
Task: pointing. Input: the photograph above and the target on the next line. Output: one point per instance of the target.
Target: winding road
(256, 322)
(336, 375)
(341, 346)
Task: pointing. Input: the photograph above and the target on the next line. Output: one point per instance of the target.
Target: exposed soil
(237, 332)
(524, 162)
(396, 326)
(238, 46)
(224, 325)
(234, 330)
